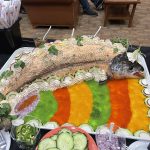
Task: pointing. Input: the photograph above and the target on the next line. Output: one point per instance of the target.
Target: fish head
(121, 68)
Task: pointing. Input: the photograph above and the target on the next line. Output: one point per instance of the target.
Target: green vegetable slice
(52, 149)
(54, 137)
(80, 141)
(47, 144)
(65, 131)
(65, 141)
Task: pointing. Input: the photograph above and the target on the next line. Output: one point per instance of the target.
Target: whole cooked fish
(61, 59)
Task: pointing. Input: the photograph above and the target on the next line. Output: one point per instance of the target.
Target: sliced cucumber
(86, 128)
(11, 95)
(103, 130)
(142, 134)
(50, 125)
(17, 122)
(34, 123)
(54, 137)
(123, 132)
(80, 141)
(52, 149)
(65, 131)
(65, 141)
(47, 144)
(67, 124)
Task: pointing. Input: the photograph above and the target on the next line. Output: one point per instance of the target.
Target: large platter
(23, 50)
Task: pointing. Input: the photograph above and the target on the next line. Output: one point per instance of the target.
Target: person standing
(87, 9)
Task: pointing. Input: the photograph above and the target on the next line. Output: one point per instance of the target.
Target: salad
(25, 135)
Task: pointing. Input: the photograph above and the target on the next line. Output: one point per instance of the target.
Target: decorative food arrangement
(83, 81)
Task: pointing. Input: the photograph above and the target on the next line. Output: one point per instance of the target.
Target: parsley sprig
(124, 42)
(53, 50)
(19, 64)
(79, 40)
(2, 96)
(6, 74)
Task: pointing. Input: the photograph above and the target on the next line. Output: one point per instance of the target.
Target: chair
(52, 12)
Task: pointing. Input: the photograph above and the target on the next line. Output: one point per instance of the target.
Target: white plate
(138, 145)
(7, 138)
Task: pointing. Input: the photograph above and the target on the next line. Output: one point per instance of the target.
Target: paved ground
(139, 34)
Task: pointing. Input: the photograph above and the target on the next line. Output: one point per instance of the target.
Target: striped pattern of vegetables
(118, 101)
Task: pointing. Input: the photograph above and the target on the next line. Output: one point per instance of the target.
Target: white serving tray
(22, 50)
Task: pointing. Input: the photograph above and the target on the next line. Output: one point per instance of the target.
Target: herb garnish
(41, 45)
(5, 109)
(19, 64)
(116, 50)
(53, 50)
(124, 42)
(79, 40)
(6, 74)
(2, 96)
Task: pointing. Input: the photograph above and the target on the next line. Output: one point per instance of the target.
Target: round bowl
(91, 143)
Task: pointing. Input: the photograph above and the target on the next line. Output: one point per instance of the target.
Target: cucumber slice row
(65, 140)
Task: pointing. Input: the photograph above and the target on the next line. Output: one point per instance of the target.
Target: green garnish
(53, 50)
(6, 74)
(26, 133)
(124, 42)
(116, 50)
(2, 96)
(19, 64)
(5, 109)
(41, 45)
(79, 40)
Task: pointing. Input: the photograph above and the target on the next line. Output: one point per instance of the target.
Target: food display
(85, 82)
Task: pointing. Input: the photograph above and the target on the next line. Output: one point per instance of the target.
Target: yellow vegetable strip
(80, 103)
(139, 119)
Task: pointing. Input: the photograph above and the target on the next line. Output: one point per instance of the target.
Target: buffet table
(30, 43)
